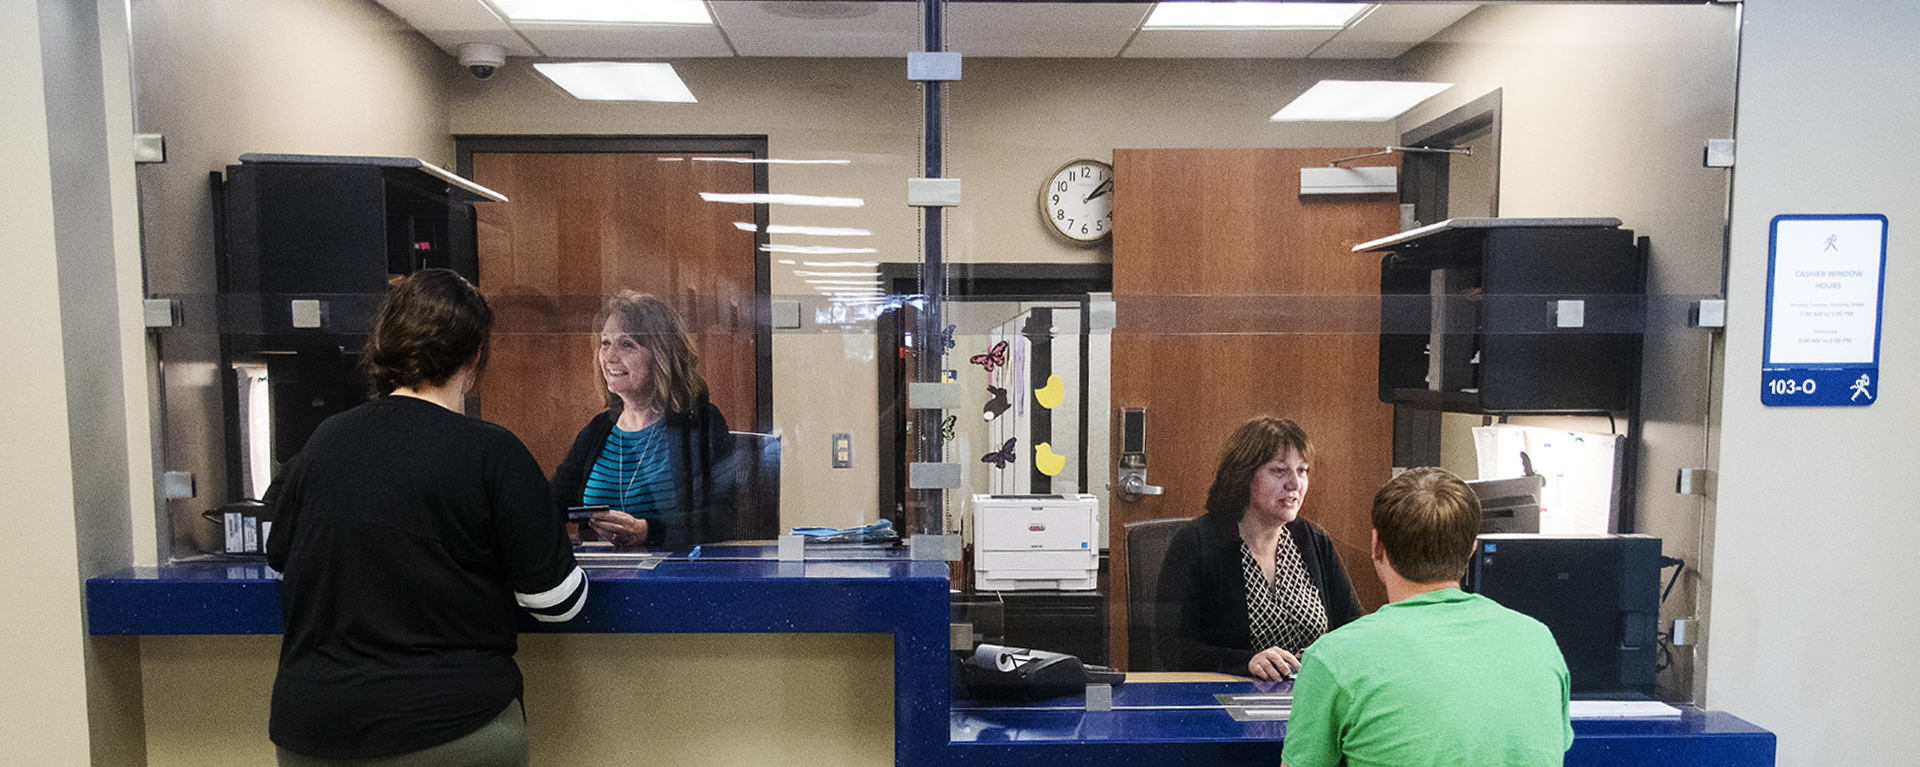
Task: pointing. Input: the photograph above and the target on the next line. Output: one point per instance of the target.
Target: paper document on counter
(1621, 709)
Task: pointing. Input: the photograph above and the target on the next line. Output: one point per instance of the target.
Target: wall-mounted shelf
(1511, 315)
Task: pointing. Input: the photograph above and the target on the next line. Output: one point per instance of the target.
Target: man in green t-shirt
(1436, 676)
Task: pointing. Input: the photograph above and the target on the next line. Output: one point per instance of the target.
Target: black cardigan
(1202, 593)
(701, 447)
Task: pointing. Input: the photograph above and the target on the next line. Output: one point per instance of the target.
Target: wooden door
(583, 225)
(1236, 297)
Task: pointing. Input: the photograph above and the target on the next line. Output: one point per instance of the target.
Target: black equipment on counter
(1022, 674)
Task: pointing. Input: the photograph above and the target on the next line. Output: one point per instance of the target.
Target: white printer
(1036, 542)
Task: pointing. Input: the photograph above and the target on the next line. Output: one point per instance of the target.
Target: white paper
(1578, 468)
(1621, 709)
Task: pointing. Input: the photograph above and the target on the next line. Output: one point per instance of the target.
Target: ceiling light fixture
(608, 11)
(1255, 15)
(617, 81)
(1356, 101)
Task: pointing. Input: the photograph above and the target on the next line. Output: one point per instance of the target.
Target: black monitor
(1509, 505)
(1599, 594)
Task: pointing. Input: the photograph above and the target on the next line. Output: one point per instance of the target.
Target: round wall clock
(1077, 200)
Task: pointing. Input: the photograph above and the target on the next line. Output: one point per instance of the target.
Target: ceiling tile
(626, 41)
(1043, 30)
(824, 28)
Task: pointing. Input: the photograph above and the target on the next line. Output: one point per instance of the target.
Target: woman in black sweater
(1248, 585)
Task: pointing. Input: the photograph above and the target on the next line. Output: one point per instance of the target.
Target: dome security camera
(481, 59)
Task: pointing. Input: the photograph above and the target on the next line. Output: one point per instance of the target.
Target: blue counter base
(908, 600)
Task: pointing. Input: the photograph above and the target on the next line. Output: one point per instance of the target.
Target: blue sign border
(1836, 385)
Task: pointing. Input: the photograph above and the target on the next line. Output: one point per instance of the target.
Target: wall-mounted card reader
(1133, 456)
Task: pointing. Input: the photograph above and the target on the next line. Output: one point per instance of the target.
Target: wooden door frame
(465, 146)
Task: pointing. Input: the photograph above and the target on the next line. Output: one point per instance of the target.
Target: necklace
(644, 449)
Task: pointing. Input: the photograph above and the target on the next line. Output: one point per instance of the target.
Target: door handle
(1133, 485)
(1133, 456)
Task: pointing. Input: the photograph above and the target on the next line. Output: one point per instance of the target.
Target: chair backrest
(756, 500)
(1146, 543)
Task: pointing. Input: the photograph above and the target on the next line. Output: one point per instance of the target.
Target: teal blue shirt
(1441, 678)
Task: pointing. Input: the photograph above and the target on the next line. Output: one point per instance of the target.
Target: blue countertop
(744, 590)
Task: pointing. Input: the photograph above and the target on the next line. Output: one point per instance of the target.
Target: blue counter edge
(908, 600)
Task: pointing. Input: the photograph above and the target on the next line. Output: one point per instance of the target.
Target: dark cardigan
(1202, 593)
(701, 448)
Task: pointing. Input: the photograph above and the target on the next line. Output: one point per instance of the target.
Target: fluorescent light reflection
(785, 199)
(1356, 101)
(618, 81)
(608, 11)
(841, 264)
(812, 231)
(1254, 15)
(821, 250)
(771, 161)
(805, 273)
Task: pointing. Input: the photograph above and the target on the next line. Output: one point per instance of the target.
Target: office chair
(1146, 543)
(755, 471)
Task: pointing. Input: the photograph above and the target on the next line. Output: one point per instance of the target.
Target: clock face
(1078, 200)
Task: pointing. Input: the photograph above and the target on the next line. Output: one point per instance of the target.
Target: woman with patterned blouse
(1248, 585)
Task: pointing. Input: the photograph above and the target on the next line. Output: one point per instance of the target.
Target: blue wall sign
(1825, 284)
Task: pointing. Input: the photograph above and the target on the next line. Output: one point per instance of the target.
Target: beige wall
(592, 699)
(1605, 112)
(1813, 613)
(45, 714)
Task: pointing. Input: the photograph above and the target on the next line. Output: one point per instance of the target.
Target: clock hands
(1104, 187)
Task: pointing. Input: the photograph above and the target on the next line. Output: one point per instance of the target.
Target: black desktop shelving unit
(1477, 315)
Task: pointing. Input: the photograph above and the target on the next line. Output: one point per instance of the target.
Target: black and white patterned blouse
(1286, 612)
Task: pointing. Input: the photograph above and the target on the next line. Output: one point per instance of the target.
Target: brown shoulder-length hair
(677, 385)
(432, 323)
(1428, 520)
(1250, 447)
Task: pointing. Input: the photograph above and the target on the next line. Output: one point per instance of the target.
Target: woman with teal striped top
(656, 457)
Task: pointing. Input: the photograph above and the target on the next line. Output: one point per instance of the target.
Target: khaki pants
(500, 743)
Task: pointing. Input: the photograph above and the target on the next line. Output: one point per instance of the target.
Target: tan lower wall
(592, 699)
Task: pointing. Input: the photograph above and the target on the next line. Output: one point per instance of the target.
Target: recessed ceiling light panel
(1255, 15)
(1357, 101)
(617, 81)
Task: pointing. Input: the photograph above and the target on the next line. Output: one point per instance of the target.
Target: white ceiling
(892, 28)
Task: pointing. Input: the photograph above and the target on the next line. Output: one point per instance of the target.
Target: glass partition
(776, 216)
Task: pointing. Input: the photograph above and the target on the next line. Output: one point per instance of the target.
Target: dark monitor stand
(1599, 594)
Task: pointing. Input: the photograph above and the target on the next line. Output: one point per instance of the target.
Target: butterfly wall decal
(946, 428)
(1000, 458)
(993, 358)
(946, 339)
